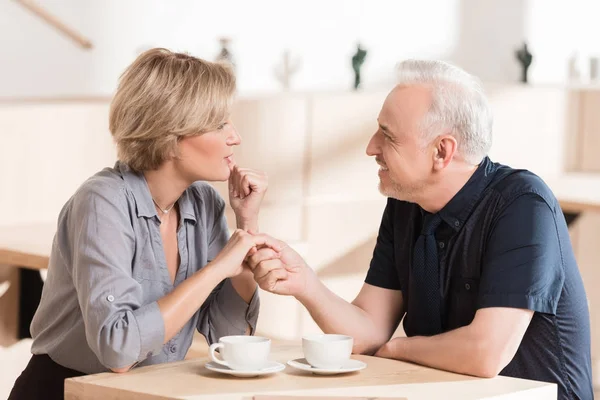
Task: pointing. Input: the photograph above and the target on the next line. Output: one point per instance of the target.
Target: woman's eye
(220, 127)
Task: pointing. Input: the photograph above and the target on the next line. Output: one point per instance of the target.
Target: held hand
(247, 189)
(284, 272)
(240, 245)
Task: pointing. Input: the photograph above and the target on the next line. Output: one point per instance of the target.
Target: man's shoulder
(510, 184)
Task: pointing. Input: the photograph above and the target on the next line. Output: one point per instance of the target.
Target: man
(473, 255)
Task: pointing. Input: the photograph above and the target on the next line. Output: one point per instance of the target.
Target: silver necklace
(164, 210)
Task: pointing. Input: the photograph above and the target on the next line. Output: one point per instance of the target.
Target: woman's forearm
(244, 284)
(178, 307)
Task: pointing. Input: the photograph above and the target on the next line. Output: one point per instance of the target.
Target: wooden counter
(577, 192)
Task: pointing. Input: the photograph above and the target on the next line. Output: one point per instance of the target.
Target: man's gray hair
(458, 105)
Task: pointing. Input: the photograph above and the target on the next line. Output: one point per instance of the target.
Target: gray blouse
(107, 270)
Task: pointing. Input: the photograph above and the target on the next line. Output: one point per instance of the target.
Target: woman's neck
(166, 186)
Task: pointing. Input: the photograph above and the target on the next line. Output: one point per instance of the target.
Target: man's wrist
(311, 292)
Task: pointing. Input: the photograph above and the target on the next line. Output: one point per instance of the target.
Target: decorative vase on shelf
(357, 61)
(225, 54)
(594, 69)
(287, 68)
(525, 58)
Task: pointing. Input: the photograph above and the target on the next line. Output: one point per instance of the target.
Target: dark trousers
(42, 379)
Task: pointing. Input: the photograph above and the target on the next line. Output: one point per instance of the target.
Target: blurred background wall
(479, 35)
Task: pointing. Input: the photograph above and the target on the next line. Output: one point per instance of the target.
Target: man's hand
(284, 272)
(247, 189)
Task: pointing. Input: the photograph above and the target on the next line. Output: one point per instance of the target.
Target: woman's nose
(234, 139)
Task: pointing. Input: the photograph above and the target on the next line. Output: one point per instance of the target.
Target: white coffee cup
(242, 353)
(327, 351)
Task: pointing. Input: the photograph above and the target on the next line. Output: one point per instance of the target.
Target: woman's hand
(241, 244)
(247, 189)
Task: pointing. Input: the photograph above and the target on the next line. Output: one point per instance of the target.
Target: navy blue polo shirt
(503, 242)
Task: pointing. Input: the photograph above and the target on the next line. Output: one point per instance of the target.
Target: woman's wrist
(247, 224)
(213, 273)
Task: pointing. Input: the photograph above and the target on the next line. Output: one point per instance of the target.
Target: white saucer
(271, 368)
(350, 366)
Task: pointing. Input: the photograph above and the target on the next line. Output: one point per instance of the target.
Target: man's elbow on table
(490, 359)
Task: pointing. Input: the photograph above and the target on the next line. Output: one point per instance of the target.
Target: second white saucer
(350, 366)
(271, 368)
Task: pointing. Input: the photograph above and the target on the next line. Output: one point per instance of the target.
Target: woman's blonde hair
(163, 96)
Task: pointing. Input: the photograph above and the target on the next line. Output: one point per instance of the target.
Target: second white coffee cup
(242, 353)
(327, 351)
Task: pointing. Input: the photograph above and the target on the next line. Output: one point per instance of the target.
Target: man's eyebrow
(383, 127)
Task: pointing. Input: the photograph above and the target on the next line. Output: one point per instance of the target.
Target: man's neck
(446, 186)
(165, 184)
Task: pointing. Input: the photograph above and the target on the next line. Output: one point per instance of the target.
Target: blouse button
(110, 298)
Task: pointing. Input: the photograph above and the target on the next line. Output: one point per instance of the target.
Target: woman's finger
(232, 179)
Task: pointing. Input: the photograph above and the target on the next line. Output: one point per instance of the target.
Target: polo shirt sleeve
(382, 271)
(522, 263)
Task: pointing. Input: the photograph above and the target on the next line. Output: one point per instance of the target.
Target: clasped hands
(277, 268)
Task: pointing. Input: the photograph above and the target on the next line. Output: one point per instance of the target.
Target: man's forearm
(335, 315)
(459, 350)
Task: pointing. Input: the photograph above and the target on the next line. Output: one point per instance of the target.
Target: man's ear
(445, 149)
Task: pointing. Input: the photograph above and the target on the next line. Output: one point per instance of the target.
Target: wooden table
(27, 248)
(189, 379)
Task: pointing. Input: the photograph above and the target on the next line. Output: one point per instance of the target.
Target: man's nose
(373, 147)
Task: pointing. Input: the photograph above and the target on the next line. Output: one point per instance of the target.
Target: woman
(141, 256)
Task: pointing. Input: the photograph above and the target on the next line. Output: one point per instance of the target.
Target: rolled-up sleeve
(119, 328)
(224, 312)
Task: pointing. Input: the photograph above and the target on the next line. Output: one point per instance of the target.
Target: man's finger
(262, 239)
(269, 282)
(265, 267)
(261, 255)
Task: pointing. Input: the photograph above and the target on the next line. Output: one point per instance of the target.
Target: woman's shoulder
(107, 182)
(104, 187)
